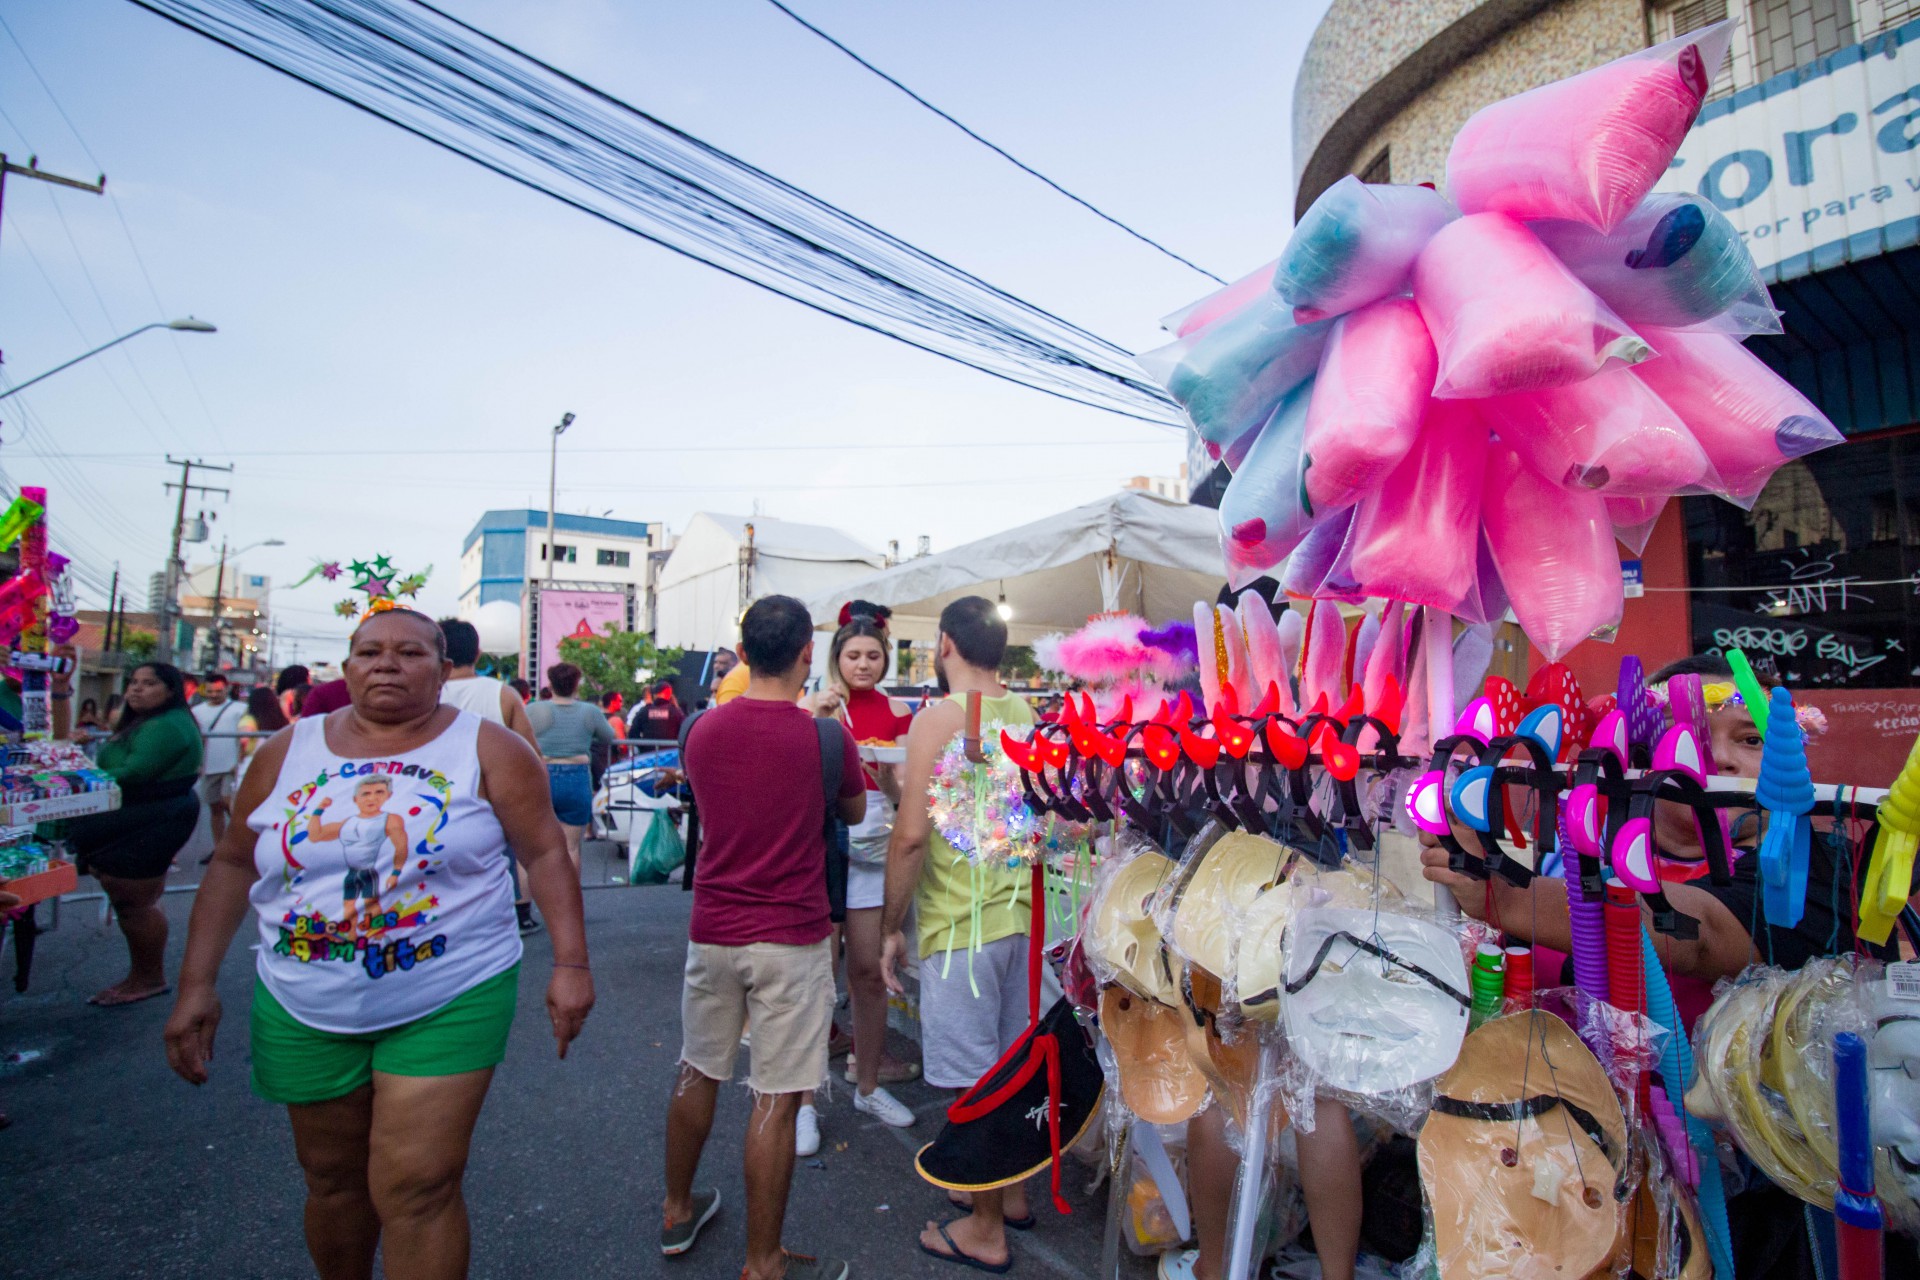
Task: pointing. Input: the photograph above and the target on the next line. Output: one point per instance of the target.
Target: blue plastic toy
(1785, 791)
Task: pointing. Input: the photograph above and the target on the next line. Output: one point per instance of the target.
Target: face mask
(1375, 1002)
(1893, 1064)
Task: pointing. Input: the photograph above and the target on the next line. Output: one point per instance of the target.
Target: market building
(1810, 144)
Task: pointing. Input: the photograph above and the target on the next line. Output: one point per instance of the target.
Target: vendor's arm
(1538, 914)
(913, 828)
(218, 908)
(515, 784)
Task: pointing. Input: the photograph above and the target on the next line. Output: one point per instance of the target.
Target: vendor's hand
(190, 1030)
(569, 1000)
(893, 952)
(62, 681)
(8, 900)
(1470, 894)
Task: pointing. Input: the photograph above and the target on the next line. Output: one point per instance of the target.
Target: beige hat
(1524, 1157)
(1210, 918)
(1122, 938)
(1158, 1079)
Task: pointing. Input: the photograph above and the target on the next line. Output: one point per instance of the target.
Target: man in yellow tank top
(973, 962)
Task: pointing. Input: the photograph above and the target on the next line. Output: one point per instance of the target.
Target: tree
(611, 663)
(501, 666)
(140, 645)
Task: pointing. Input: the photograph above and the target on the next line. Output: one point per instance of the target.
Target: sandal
(962, 1258)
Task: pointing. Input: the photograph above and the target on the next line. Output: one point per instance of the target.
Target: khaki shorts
(786, 990)
(217, 788)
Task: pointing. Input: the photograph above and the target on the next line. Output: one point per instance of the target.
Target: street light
(188, 325)
(220, 583)
(553, 474)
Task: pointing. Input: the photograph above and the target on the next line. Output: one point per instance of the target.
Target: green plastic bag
(660, 850)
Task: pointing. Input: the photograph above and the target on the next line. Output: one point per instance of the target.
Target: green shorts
(295, 1063)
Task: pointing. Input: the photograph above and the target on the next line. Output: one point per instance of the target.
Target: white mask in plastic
(1375, 1001)
(1893, 1077)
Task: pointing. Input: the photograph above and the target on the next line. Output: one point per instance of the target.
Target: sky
(399, 329)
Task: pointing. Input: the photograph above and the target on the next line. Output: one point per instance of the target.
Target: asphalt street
(114, 1166)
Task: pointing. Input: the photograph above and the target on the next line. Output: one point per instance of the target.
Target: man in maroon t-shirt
(758, 941)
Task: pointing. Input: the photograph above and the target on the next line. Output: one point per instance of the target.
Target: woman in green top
(154, 754)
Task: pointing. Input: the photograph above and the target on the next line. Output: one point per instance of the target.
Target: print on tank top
(359, 850)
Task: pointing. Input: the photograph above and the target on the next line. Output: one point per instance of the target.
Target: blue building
(505, 549)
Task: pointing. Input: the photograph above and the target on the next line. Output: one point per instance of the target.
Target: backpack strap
(831, 762)
(686, 728)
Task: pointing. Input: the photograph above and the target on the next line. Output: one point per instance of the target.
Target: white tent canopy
(723, 563)
(1132, 551)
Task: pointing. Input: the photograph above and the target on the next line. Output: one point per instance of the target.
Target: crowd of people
(372, 1000)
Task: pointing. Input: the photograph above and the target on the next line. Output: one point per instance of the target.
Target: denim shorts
(572, 793)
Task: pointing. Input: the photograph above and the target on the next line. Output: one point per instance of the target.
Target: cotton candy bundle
(1607, 435)
(1468, 404)
(1108, 649)
(1555, 552)
(1368, 398)
(1590, 147)
(1506, 315)
(1675, 262)
(1356, 244)
(1748, 419)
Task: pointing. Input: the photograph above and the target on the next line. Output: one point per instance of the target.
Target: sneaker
(802, 1267)
(528, 925)
(1177, 1265)
(679, 1238)
(806, 1132)
(884, 1107)
(892, 1071)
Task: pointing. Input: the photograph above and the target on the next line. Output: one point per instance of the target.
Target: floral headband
(1723, 694)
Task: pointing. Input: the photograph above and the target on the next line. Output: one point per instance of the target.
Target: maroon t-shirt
(761, 872)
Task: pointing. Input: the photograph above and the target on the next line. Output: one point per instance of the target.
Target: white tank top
(440, 927)
(478, 694)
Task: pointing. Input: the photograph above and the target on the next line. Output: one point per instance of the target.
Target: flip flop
(959, 1257)
(121, 1004)
(1017, 1224)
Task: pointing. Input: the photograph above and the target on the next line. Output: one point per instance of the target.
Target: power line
(126, 229)
(454, 85)
(998, 150)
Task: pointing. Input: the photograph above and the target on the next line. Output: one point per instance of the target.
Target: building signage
(565, 611)
(1819, 165)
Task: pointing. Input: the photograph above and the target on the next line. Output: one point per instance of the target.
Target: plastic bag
(1233, 374)
(1317, 569)
(1748, 419)
(658, 852)
(1506, 315)
(1152, 1227)
(1633, 520)
(1264, 513)
(1606, 435)
(1414, 538)
(1590, 147)
(1372, 388)
(1555, 552)
(1675, 262)
(1356, 244)
(1219, 304)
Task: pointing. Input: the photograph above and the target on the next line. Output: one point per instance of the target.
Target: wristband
(562, 964)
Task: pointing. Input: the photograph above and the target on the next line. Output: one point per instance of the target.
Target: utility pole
(32, 169)
(219, 589)
(170, 596)
(553, 477)
(113, 602)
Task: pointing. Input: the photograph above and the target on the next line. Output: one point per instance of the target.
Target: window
(1380, 168)
(562, 553)
(617, 559)
(1679, 19)
(1792, 33)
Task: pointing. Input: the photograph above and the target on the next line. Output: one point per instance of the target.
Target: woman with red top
(856, 665)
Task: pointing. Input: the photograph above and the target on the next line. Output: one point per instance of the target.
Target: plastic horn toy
(1785, 791)
(1855, 1209)
(1748, 684)
(1890, 871)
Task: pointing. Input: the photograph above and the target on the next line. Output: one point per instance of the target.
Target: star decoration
(330, 570)
(382, 564)
(346, 608)
(377, 587)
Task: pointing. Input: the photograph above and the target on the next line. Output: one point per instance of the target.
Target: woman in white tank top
(370, 845)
